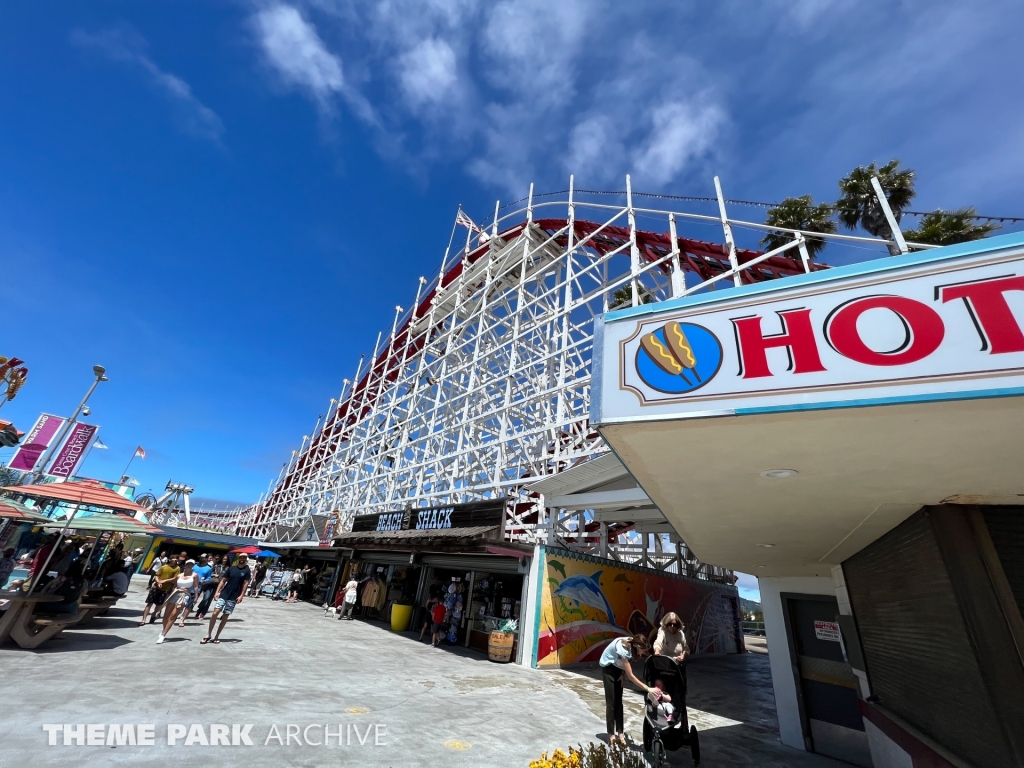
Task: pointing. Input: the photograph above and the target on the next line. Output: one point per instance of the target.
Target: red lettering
(797, 336)
(999, 330)
(924, 330)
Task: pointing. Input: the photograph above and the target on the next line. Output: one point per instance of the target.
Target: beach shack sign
(944, 324)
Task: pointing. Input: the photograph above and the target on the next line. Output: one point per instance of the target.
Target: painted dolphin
(587, 590)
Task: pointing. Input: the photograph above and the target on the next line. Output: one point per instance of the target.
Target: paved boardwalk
(282, 665)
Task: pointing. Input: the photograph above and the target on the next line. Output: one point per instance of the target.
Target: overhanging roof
(871, 442)
(604, 486)
(582, 477)
(205, 537)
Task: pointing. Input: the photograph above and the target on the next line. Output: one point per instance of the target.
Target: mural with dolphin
(586, 602)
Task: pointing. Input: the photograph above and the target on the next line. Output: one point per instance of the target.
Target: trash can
(499, 646)
(400, 617)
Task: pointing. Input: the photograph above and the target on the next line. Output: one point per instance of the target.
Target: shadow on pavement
(111, 622)
(70, 642)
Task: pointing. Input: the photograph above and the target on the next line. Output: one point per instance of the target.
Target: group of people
(70, 569)
(301, 584)
(180, 584)
(616, 664)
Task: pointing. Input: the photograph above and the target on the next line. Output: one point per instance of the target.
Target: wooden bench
(98, 606)
(20, 604)
(32, 631)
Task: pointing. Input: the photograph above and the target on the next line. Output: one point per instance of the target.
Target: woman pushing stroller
(665, 723)
(615, 664)
(671, 639)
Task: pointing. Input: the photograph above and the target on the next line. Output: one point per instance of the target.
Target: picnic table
(98, 605)
(30, 631)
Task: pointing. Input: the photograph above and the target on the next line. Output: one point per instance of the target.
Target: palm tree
(941, 228)
(858, 204)
(799, 213)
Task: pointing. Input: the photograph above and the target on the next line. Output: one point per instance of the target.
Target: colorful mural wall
(586, 602)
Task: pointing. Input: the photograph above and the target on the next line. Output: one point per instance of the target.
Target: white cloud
(681, 131)
(428, 72)
(595, 150)
(294, 48)
(532, 47)
(519, 91)
(127, 45)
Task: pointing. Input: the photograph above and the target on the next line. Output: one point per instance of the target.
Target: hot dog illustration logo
(678, 357)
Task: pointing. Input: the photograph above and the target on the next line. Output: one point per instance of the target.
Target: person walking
(615, 663)
(230, 592)
(257, 582)
(163, 583)
(348, 603)
(294, 586)
(437, 614)
(202, 570)
(179, 563)
(186, 586)
(427, 616)
(159, 560)
(217, 568)
(671, 639)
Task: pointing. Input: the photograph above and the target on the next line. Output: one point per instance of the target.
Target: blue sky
(222, 202)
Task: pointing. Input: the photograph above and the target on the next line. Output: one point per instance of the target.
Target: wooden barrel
(499, 646)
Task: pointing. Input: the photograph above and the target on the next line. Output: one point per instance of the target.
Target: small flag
(140, 452)
(132, 481)
(97, 443)
(464, 220)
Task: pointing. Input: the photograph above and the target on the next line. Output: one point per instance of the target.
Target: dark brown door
(828, 689)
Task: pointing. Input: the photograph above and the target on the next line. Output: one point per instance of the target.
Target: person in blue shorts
(230, 592)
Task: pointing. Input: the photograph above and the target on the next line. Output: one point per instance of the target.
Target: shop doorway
(826, 685)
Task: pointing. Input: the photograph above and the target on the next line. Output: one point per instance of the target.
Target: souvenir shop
(454, 554)
(326, 570)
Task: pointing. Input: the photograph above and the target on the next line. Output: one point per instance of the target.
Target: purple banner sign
(73, 451)
(36, 442)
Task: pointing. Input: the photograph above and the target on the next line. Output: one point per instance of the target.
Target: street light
(37, 474)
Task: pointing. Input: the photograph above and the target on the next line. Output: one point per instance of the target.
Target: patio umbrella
(18, 512)
(108, 522)
(88, 493)
(250, 550)
(267, 553)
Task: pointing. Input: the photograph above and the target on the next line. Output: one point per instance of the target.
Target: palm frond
(949, 228)
(799, 213)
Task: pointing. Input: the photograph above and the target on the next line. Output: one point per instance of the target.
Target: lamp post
(40, 469)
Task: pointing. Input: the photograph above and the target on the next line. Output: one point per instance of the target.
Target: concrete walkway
(285, 665)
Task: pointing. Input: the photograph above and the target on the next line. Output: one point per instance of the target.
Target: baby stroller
(662, 734)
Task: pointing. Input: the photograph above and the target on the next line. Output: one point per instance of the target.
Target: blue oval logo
(678, 358)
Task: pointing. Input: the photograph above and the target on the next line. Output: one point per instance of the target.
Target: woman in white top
(615, 662)
(671, 640)
(185, 590)
(349, 602)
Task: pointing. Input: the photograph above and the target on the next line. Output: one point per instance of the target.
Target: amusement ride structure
(482, 386)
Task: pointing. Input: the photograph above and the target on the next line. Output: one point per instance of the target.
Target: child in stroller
(665, 724)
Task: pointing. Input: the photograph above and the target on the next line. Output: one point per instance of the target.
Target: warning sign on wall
(826, 630)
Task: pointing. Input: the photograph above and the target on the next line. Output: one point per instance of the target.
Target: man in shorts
(163, 582)
(229, 593)
(437, 614)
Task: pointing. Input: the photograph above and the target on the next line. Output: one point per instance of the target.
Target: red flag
(140, 452)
